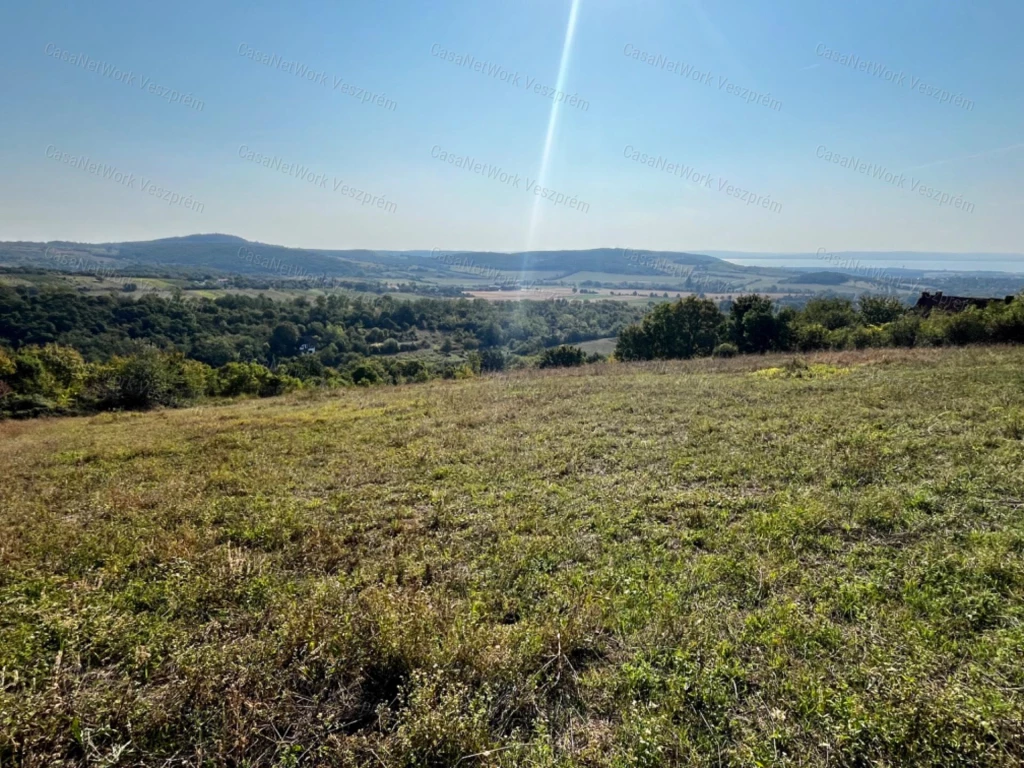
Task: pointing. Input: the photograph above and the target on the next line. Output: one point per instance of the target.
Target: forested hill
(230, 254)
(339, 327)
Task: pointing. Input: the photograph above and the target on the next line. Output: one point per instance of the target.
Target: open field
(605, 346)
(623, 565)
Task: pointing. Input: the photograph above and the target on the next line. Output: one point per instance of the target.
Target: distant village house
(930, 301)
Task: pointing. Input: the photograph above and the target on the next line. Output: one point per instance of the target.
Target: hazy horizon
(821, 260)
(536, 126)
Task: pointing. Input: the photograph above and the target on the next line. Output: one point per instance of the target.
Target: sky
(678, 125)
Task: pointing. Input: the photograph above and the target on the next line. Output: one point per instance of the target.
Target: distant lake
(937, 262)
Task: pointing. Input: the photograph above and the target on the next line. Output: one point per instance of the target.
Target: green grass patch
(623, 565)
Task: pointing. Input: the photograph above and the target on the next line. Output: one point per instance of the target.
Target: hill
(716, 562)
(819, 278)
(202, 257)
(228, 253)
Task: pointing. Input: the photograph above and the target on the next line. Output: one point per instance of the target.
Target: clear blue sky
(774, 151)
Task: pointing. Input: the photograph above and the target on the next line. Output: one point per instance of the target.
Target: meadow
(753, 561)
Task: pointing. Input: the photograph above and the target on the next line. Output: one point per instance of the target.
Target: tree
(492, 360)
(139, 382)
(634, 343)
(831, 313)
(216, 351)
(66, 369)
(284, 341)
(690, 327)
(368, 373)
(752, 323)
(879, 310)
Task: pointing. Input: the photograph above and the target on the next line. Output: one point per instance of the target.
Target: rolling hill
(643, 270)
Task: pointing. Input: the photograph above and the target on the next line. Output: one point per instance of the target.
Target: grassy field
(661, 564)
(603, 346)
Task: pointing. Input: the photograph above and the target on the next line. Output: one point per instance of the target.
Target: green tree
(879, 310)
(831, 312)
(752, 323)
(7, 367)
(284, 340)
(690, 327)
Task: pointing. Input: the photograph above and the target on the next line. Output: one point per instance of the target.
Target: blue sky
(744, 96)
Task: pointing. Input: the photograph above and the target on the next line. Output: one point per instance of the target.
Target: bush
(28, 406)
(561, 357)
(6, 364)
(274, 384)
(725, 349)
(190, 379)
(367, 373)
(811, 337)
(903, 332)
(410, 370)
(236, 379)
(1005, 322)
(687, 328)
(138, 382)
(879, 310)
(492, 360)
(869, 337)
(832, 313)
(960, 328)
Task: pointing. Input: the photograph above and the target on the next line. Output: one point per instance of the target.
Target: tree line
(62, 352)
(752, 324)
(338, 328)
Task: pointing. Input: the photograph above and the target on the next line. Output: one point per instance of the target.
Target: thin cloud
(809, 66)
(976, 155)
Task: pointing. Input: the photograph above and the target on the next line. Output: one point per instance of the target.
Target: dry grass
(656, 564)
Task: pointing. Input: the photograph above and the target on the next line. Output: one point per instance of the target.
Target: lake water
(952, 263)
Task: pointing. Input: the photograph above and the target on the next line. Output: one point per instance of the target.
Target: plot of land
(662, 564)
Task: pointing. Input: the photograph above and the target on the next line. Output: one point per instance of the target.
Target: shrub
(725, 349)
(879, 310)
(839, 338)
(941, 328)
(904, 331)
(832, 313)
(236, 379)
(273, 384)
(367, 373)
(811, 337)
(191, 378)
(1005, 322)
(135, 383)
(492, 360)
(7, 367)
(869, 337)
(563, 356)
(30, 376)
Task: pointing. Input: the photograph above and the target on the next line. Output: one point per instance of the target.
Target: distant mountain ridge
(230, 253)
(220, 254)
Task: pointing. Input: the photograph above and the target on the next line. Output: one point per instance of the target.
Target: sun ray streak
(549, 139)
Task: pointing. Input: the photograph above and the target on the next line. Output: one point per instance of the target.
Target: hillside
(228, 253)
(697, 563)
(194, 263)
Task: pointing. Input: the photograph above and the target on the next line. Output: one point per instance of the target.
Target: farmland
(754, 561)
